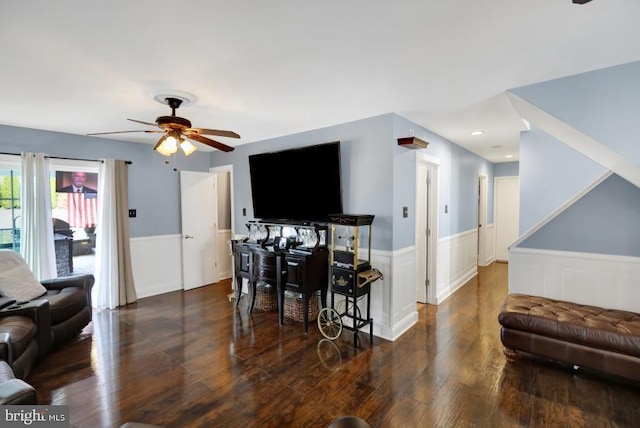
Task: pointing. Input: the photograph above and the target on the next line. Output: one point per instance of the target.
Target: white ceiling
(267, 69)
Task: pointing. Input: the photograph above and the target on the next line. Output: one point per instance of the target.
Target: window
(74, 214)
(10, 212)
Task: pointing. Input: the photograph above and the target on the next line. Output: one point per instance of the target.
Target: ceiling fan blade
(218, 132)
(144, 123)
(211, 143)
(120, 132)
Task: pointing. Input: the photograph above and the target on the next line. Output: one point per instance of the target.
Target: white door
(426, 220)
(199, 234)
(506, 213)
(422, 230)
(482, 221)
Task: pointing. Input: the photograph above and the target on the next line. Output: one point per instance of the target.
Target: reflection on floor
(83, 264)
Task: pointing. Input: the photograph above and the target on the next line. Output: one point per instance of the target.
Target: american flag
(82, 209)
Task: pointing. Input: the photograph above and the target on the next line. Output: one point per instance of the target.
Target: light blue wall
(154, 188)
(458, 183)
(366, 164)
(605, 105)
(550, 173)
(605, 221)
(506, 169)
(378, 177)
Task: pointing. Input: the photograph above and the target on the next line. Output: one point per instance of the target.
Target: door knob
(188, 237)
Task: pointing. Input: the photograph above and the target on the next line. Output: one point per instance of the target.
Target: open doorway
(224, 179)
(74, 211)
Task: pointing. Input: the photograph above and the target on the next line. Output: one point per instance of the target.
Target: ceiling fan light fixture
(168, 147)
(187, 147)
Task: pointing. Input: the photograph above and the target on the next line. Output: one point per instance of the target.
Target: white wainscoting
(393, 298)
(490, 246)
(457, 262)
(592, 279)
(225, 261)
(157, 264)
(403, 294)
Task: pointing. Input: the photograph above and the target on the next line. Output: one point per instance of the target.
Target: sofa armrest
(82, 281)
(38, 311)
(6, 352)
(85, 281)
(17, 391)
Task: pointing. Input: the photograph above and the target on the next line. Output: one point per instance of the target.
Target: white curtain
(36, 241)
(114, 278)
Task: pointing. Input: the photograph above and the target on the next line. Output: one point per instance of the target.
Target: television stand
(270, 255)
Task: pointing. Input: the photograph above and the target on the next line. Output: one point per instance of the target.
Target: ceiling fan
(177, 131)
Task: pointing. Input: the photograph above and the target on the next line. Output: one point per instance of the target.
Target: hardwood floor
(190, 359)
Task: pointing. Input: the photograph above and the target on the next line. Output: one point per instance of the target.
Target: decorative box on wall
(412, 143)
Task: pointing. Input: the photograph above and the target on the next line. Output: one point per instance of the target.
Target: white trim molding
(577, 140)
(603, 280)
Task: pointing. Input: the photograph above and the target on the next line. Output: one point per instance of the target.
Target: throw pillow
(16, 280)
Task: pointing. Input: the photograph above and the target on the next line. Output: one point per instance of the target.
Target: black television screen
(301, 184)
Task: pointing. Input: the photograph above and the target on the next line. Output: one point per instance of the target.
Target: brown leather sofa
(18, 345)
(606, 340)
(30, 329)
(69, 305)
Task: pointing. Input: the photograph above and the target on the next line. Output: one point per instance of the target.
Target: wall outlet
(132, 213)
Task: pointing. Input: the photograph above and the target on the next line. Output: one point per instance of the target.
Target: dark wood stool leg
(238, 290)
(252, 292)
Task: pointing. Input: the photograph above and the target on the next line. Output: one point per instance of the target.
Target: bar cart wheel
(348, 312)
(330, 323)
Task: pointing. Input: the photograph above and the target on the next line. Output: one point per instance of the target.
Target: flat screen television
(301, 184)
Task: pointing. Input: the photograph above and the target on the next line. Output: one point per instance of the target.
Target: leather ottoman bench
(606, 340)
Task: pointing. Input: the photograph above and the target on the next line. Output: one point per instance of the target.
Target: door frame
(427, 191)
(228, 168)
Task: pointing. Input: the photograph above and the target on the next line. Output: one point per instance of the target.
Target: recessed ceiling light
(477, 132)
(508, 156)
